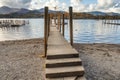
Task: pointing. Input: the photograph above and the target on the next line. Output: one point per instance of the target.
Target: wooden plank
(64, 69)
(81, 78)
(74, 78)
(52, 63)
(67, 78)
(64, 72)
(55, 79)
(63, 60)
(56, 51)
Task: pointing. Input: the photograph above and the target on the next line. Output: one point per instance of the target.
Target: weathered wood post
(45, 29)
(54, 19)
(59, 22)
(51, 17)
(71, 25)
(48, 24)
(63, 23)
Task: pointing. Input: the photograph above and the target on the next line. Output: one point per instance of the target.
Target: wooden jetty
(62, 60)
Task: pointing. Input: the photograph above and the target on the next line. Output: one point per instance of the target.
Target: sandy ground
(19, 60)
(101, 61)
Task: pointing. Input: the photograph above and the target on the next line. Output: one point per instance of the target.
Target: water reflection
(32, 30)
(95, 31)
(85, 31)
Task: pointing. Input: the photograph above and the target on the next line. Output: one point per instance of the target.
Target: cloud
(115, 8)
(75, 2)
(91, 7)
(78, 6)
(36, 4)
(52, 4)
(32, 4)
(105, 6)
(105, 3)
(15, 3)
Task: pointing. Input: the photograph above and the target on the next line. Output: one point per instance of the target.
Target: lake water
(85, 31)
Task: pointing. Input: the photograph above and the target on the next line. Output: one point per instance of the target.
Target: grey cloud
(25, 1)
(16, 3)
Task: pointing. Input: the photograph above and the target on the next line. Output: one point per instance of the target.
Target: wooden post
(45, 29)
(58, 21)
(71, 25)
(63, 27)
(48, 24)
(54, 19)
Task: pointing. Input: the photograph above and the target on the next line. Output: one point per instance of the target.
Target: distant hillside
(49, 11)
(96, 13)
(113, 14)
(22, 11)
(7, 12)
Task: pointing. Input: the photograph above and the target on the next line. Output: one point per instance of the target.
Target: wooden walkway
(62, 60)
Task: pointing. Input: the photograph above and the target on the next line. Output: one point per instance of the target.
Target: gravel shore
(19, 60)
(101, 61)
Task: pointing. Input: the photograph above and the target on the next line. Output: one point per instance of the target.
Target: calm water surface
(95, 31)
(32, 30)
(85, 31)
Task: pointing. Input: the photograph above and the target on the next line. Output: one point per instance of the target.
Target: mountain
(96, 13)
(7, 10)
(23, 11)
(16, 12)
(113, 14)
(41, 10)
(49, 11)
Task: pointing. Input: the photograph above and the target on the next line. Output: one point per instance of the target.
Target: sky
(78, 5)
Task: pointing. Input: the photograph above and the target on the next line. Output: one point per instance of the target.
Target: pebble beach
(21, 60)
